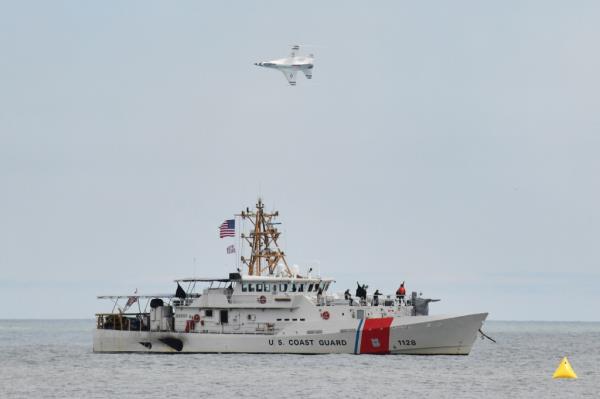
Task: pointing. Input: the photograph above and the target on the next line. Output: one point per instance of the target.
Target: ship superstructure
(273, 308)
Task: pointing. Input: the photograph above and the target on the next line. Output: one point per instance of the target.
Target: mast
(266, 253)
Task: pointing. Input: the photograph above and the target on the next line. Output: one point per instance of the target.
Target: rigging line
(243, 227)
(115, 305)
(190, 288)
(285, 237)
(239, 237)
(486, 336)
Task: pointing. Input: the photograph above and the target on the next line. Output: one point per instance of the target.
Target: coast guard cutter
(273, 308)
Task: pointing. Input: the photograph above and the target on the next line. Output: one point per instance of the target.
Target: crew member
(361, 292)
(376, 298)
(229, 292)
(400, 293)
(348, 296)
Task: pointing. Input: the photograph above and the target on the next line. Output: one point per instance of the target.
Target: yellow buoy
(564, 370)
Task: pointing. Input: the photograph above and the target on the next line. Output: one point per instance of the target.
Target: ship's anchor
(483, 335)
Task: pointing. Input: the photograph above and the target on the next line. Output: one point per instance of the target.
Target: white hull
(418, 335)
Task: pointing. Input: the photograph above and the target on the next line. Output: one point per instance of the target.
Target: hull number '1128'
(407, 342)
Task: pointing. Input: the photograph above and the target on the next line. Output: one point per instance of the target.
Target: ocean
(54, 359)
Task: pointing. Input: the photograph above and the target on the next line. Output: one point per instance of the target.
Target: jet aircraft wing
(290, 75)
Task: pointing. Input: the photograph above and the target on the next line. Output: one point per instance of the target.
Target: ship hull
(416, 335)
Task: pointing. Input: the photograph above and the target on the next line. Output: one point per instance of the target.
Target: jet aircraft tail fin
(295, 49)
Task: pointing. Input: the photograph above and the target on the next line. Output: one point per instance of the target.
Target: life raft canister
(262, 299)
(325, 315)
(196, 318)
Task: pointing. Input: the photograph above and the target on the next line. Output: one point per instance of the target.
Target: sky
(453, 145)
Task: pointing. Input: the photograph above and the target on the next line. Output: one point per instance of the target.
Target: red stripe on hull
(376, 336)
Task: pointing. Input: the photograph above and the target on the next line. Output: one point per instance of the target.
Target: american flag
(231, 249)
(227, 229)
(131, 300)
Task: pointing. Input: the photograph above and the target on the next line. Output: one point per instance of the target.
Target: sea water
(54, 359)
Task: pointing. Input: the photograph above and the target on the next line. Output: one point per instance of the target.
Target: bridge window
(259, 287)
(283, 287)
(267, 287)
(208, 313)
(250, 287)
(300, 287)
(293, 287)
(310, 287)
(245, 287)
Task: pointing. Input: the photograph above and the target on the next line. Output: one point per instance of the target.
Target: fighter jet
(291, 65)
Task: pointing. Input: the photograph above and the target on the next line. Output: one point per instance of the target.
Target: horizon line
(489, 320)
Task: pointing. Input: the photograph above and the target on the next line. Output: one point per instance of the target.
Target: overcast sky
(454, 145)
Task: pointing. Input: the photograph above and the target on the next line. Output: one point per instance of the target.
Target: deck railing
(123, 321)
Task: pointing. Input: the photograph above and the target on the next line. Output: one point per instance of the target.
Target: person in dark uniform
(376, 298)
(358, 290)
(348, 296)
(361, 293)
